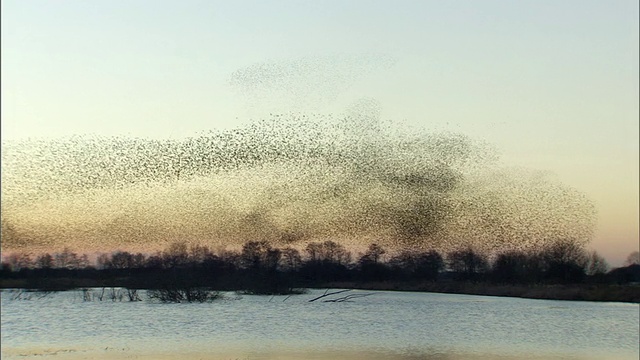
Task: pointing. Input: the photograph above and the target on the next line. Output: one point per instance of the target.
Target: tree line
(260, 268)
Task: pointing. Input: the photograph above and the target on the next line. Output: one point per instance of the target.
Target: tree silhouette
(373, 254)
(565, 262)
(467, 264)
(291, 260)
(595, 264)
(633, 259)
(329, 252)
(177, 255)
(18, 261)
(256, 255)
(66, 259)
(515, 267)
(44, 261)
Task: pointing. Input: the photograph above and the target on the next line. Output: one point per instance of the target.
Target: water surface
(384, 324)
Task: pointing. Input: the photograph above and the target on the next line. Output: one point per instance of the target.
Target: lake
(402, 325)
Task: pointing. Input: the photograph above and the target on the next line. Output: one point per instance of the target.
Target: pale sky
(552, 84)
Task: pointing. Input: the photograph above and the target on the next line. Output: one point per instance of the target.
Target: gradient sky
(552, 84)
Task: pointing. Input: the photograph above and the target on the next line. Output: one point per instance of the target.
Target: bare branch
(348, 297)
(329, 294)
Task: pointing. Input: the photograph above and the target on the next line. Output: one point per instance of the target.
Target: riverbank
(575, 292)
(629, 293)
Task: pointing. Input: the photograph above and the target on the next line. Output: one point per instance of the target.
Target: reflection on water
(384, 325)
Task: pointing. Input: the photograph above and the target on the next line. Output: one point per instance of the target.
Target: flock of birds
(291, 177)
(288, 179)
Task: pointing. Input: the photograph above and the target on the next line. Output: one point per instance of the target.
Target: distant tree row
(259, 267)
(66, 259)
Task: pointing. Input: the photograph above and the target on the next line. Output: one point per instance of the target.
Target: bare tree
(596, 264)
(177, 255)
(115, 294)
(132, 295)
(272, 259)
(467, 263)
(199, 253)
(103, 261)
(373, 254)
(44, 261)
(18, 261)
(257, 255)
(83, 261)
(565, 261)
(633, 259)
(138, 260)
(291, 259)
(179, 295)
(328, 251)
(314, 251)
(66, 259)
(121, 260)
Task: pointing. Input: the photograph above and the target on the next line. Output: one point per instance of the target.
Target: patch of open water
(405, 324)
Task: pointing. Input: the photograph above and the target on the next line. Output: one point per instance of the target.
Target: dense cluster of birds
(288, 179)
(291, 177)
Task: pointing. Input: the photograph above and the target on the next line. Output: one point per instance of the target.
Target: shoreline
(628, 293)
(570, 292)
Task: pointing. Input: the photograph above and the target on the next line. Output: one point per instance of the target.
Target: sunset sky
(553, 85)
